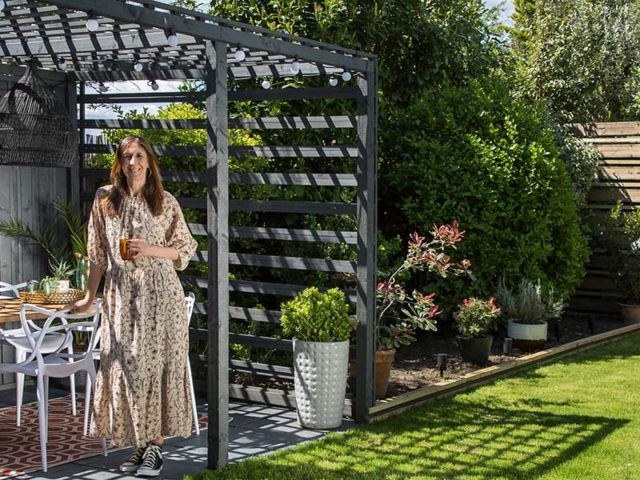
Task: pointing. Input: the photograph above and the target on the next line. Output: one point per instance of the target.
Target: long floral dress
(142, 390)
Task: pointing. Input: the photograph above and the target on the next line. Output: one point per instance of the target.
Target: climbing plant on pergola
(115, 40)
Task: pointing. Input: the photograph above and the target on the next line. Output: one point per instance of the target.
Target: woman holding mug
(138, 238)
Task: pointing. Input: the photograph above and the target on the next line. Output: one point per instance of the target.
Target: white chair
(10, 291)
(190, 301)
(56, 363)
(16, 337)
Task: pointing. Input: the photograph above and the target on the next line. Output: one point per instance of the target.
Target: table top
(10, 310)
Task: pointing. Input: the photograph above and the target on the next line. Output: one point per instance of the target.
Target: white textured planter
(527, 337)
(320, 379)
(63, 286)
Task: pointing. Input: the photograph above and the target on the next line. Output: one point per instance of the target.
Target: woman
(142, 391)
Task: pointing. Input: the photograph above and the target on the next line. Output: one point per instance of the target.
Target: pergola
(82, 41)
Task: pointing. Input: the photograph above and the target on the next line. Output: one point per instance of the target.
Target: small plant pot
(475, 350)
(63, 286)
(384, 362)
(630, 312)
(527, 337)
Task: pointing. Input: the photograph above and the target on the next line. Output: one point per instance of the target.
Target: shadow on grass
(444, 440)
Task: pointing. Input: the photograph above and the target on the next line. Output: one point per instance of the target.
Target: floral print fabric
(142, 389)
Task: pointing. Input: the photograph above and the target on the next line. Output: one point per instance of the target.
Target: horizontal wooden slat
(293, 234)
(263, 123)
(309, 179)
(189, 177)
(619, 173)
(314, 151)
(292, 263)
(267, 396)
(261, 342)
(618, 150)
(607, 129)
(285, 206)
(254, 314)
(613, 195)
(255, 368)
(349, 92)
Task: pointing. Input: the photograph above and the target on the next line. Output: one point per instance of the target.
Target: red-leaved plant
(417, 311)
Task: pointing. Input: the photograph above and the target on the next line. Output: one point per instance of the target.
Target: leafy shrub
(475, 317)
(622, 241)
(528, 303)
(317, 317)
(476, 154)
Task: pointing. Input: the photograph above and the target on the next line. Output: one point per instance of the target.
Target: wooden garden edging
(395, 405)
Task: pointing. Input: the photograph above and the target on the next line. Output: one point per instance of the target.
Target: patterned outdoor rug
(20, 446)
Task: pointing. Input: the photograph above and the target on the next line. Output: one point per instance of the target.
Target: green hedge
(475, 154)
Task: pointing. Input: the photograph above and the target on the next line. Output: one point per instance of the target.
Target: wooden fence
(618, 179)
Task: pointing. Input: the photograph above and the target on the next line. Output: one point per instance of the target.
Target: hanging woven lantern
(35, 128)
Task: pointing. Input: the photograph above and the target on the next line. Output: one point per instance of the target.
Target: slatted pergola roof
(136, 32)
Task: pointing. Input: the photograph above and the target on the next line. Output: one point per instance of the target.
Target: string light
(102, 88)
(92, 23)
(295, 67)
(240, 55)
(172, 39)
(266, 84)
(333, 81)
(2, 4)
(154, 86)
(138, 67)
(62, 64)
(346, 75)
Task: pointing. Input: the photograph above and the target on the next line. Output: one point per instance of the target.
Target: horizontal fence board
(240, 123)
(619, 173)
(261, 342)
(293, 234)
(608, 150)
(286, 206)
(280, 289)
(188, 177)
(607, 129)
(263, 369)
(611, 195)
(254, 315)
(308, 179)
(292, 263)
(258, 151)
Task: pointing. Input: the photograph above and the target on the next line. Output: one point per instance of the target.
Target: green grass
(578, 418)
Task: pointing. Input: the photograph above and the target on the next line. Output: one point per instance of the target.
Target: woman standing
(142, 390)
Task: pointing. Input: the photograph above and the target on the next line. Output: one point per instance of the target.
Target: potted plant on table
(622, 242)
(473, 320)
(62, 271)
(320, 326)
(528, 308)
(400, 315)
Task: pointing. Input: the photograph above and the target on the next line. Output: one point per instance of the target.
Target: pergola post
(367, 227)
(218, 240)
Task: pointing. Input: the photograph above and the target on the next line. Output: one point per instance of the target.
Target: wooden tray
(57, 298)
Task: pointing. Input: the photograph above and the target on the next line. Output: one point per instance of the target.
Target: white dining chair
(16, 337)
(8, 290)
(190, 301)
(56, 363)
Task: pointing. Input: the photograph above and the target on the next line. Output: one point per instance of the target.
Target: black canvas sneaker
(134, 461)
(151, 462)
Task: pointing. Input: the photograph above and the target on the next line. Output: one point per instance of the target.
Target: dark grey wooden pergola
(148, 40)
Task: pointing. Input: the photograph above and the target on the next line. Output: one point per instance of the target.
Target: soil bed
(415, 365)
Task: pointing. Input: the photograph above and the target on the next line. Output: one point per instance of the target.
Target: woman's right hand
(79, 306)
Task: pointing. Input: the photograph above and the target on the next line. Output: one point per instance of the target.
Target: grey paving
(253, 430)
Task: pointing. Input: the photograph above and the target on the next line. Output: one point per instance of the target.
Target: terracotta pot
(630, 312)
(475, 350)
(384, 362)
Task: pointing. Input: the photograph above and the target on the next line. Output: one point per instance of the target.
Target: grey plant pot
(320, 379)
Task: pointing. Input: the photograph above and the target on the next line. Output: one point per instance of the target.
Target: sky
(506, 7)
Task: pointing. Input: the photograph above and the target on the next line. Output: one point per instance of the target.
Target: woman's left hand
(138, 248)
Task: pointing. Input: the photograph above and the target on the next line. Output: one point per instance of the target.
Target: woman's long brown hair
(153, 192)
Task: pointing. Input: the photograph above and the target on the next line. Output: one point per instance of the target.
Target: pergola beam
(122, 11)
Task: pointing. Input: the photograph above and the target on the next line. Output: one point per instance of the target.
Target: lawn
(578, 418)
